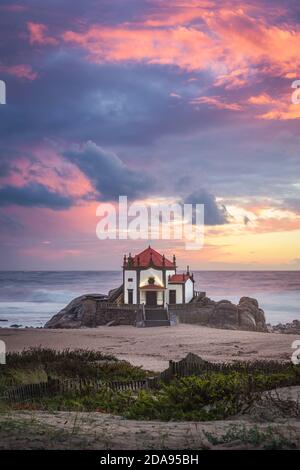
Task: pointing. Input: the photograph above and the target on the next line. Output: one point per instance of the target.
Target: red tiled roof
(152, 287)
(150, 257)
(179, 278)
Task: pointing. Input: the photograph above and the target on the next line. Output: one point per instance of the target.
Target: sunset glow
(161, 101)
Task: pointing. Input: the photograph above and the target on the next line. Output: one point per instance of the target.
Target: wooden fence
(191, 365)
(196, 366)
(25, 392)
(72, 386)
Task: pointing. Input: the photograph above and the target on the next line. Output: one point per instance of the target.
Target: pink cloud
(47, 168)
(232, 43)
(20, 71)
(187, 47)
(216, 102)
(271, 225)
(38, 34)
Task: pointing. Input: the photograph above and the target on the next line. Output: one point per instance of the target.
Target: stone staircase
(116, 296)
(156, 316)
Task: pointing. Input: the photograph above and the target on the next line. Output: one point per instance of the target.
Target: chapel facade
(150, 278)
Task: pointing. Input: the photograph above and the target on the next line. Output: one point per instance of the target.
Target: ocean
(32, 298)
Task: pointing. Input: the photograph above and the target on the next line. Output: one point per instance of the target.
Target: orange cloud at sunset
(280, 108)
(231, 43)
(186, 47)
(262, 99)
(283, 112)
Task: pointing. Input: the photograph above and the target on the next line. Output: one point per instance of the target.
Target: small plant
(270, 438)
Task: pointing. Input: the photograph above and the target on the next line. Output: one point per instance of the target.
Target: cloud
(214, 213)
(283, 112)
(108, 104)
(174, 88)
(292, 204)
(19, 71)
(154, 46)
(34, 195)
(235, 44)
(38, 34)
(216, 102)
(262, 99)
(106, 171)
(273, 224)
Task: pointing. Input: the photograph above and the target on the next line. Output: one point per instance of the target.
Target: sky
(183, 101)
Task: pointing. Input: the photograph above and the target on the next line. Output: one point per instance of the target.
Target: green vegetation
(209, 396)
(42, 356)
(36, 365)
(270, 438)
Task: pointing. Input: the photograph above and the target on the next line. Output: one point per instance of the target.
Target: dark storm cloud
(214, 213)
(76, 100)
(33, 195)
(109, 175)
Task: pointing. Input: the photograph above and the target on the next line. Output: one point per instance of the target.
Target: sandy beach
(152, 348)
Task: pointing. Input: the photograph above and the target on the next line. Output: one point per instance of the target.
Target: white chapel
(151, 279)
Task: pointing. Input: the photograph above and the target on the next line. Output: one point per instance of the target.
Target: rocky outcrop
(251, 317)
(79, 312)
(224, 314)
(91, 310)
(292, 328)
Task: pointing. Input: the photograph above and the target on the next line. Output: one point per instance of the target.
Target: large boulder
(251, 317)
(79, 312)
(224, 314)
(91, 310)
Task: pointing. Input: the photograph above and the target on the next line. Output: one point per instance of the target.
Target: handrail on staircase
(167, 308)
